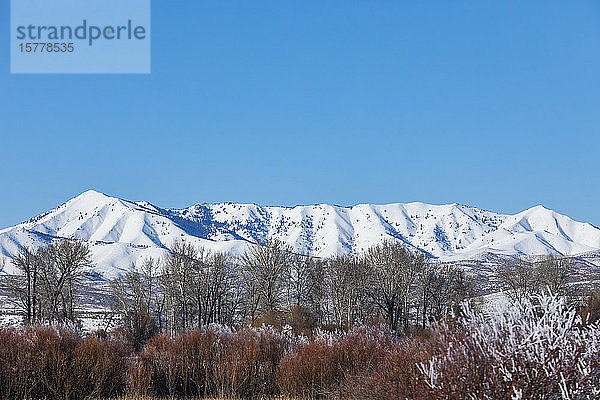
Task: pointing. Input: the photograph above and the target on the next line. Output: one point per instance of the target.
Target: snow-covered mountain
(120, 232)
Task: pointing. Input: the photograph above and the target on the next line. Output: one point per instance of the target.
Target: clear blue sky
(494, 104)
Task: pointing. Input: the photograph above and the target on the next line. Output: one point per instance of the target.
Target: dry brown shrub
(57, 363)
(247, 364)
(210, 362)
(53, 354)
(275, 319)
(591, 312)
(137, 328)
(329, 364)
(100, 368)
(138, 379)
(159, 360)
(313, 369)
(18, 370)
(396, 375)
(301, 319)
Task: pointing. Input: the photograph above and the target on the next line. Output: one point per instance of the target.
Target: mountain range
(121, 232)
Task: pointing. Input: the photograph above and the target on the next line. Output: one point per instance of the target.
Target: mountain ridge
(121, 232)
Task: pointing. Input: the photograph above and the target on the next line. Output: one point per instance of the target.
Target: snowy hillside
(121, 232)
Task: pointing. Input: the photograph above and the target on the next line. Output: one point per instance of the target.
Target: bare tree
(518, 278)
(72, 258)
(301, 279)
(136, 290)
(555, 274)
(177, 285)
(443, 288)
(48, 280)
(318, 296)
(266, 270)
(212, 286)
(521, 277)
(138, 302)
(23, 288)
(346, 280)
(199, 287)
(392, 272)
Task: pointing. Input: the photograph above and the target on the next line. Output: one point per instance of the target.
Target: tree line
(274, 285)
(271, 284)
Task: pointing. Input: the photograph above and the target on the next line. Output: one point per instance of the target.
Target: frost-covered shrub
(535, 349)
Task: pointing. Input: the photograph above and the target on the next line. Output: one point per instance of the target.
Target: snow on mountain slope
(537, 231)
(324, 230)
(120, 232)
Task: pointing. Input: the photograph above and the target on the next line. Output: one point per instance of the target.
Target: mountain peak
(539, 207)
(92, 195)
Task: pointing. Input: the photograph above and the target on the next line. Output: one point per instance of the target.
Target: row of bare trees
(195, 287)
(520, 277)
